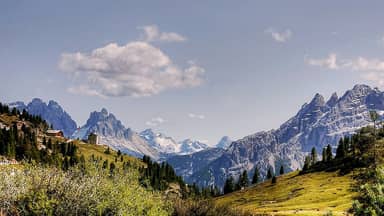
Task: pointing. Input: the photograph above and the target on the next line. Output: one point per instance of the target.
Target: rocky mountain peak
(224, 142)
(53, 113)
(104, 111)
(54, 105)
(318, 100)
(332, 100)
(37, 101)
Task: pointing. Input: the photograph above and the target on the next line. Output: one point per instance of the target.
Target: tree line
(230, 185)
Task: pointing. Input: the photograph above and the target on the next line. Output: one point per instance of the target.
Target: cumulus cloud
(280, 37)
(370, 69)
(136, 69)
(196, 116)
(152, 33)
(155, 121)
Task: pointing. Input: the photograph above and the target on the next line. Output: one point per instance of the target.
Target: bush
(371, 201)
(192, 207)
(36, 190)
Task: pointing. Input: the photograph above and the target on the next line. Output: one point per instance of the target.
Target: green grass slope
(310, 194)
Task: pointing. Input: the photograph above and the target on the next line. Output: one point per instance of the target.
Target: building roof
(54, 131)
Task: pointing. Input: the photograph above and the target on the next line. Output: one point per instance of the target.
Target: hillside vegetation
(352, 181)
(58, 176)
(294, 194)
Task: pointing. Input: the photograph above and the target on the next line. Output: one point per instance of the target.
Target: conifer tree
(329, 153)
(256, 174)
(274, 179)
(324, 154)
(243, 180)
(269, 173)
(229, 185)
(313, 156)
(281, 170)
(340, 151)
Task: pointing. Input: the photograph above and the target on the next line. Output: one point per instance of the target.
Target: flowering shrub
(37, 190)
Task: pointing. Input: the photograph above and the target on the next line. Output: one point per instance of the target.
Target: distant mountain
(167, 146)
(52, 112)
(317, 124)
(187, 165)
(160, 142)
(189, 146)
(224, 142)
(113, 133)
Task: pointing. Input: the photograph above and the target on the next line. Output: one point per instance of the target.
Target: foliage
(274, 180)
(203, 208)
(269, 173)
(158, 176)
(243, 180)
(371, 200)
(38, 190)
(229, 185)
(281, 170)
(256, 176)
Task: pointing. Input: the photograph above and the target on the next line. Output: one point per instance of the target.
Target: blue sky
(190, 69)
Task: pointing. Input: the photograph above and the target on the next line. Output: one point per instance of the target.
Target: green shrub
(36, 190)
(191, 207)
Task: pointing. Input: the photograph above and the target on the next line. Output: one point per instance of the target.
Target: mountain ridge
(316, 124)
(52, 112)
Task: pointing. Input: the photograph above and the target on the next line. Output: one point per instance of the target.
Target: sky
(189, 69)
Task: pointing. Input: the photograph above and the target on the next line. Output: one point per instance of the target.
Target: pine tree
(229, 185)
(324, 158)
(243, 180)
(313, 156)
(329, 153)
(269, 173)
(255, 178)
(281, 170)
(112, 167)
(340, 151)
(274, 180)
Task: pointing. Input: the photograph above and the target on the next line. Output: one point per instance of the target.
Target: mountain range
(52, 112)
(317, 123)
(113, 133)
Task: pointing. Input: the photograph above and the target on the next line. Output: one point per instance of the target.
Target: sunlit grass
(293, 194)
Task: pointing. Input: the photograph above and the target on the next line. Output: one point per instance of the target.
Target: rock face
(187, 165)
(317, 124)
(113, 133)
(52, 112)
(224, 142)
(189, 146)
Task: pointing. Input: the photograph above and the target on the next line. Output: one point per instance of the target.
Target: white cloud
(371, 69)
(136, 69)
(196, 116)
(280, 37)
(155, 121)
(152, 33)
(328, 62)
